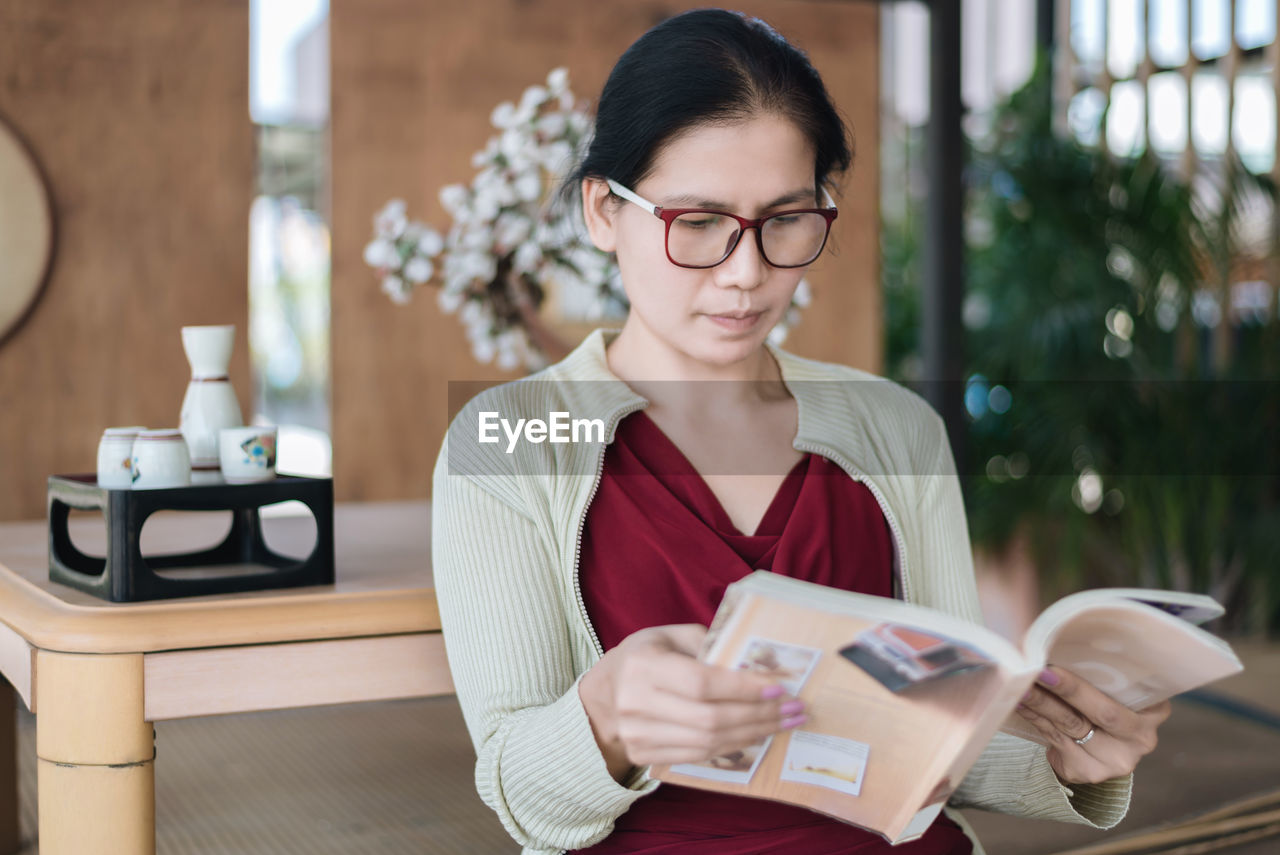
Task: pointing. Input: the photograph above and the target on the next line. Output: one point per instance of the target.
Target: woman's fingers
(1057, 713)
(1098, 708)
(669, 707)
(1092, 737)
(678, 673)
(662, 740)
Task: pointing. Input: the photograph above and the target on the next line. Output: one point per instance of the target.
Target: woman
(575, 579)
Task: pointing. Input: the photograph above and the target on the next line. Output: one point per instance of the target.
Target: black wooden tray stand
(124, 575)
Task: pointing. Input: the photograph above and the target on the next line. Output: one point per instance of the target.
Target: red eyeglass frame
(668, 215)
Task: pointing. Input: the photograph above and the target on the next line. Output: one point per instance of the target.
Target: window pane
(1210, 28)
(1209, 113)
(1084, 115)
(289, 62)
(1087, 29)
(1126, 131)
(1167, 102)
(1253, 128)
(1255, 22)
(1168, 29)
(1124, 38)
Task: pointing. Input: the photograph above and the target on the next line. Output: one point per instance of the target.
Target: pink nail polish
(1049, 678)
(1026, 697)
(772, 692)
(792, 707)
(794, 721)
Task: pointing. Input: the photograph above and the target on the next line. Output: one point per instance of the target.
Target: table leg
(10, 839)
(96, 778)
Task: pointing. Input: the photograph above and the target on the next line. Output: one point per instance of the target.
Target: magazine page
(1136, 653)
(1192, 608)
(890, 705)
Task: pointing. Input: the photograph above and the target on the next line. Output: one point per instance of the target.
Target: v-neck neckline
(723, 520)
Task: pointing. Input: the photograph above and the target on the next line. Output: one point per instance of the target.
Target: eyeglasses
(701, 238)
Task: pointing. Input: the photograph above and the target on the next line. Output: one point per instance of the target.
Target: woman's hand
(650, 701)
(1092, 738)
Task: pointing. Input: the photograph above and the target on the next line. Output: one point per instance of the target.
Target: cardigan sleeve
(1013, 775)
(511, 656)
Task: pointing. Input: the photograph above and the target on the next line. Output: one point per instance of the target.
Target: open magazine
(902, 699)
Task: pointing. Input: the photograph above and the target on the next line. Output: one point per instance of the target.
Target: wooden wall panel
(139, 113)
(413, 85)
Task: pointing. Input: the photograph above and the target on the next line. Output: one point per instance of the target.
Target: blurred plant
(513, 236)
(1123, 414)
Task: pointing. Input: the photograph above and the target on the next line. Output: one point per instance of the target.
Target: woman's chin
(723, 350)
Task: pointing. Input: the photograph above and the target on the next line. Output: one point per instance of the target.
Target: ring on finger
(1082, 740)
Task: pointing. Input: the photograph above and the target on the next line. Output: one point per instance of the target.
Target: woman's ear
(599, 212)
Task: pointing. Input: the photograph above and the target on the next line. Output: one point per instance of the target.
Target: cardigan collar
(826, 417)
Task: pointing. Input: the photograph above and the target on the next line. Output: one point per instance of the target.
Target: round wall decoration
(26, 231)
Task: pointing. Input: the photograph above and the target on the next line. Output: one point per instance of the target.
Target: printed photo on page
(734, 767)
(789, 664)
(826, 761)
(900, 656)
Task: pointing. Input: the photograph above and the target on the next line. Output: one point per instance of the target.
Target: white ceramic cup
(160, 460)
(247, 454)
(115, 457)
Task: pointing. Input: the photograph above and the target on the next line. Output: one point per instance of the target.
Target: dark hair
(708, 66)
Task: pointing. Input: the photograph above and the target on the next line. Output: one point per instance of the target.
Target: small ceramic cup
(115, 457)
(161, 460)
(248, 453)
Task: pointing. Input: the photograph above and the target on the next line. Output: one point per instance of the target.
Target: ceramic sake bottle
(210, 403)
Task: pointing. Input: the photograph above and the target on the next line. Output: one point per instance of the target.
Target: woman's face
(719, 315)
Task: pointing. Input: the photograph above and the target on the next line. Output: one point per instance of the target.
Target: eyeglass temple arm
(619, 190)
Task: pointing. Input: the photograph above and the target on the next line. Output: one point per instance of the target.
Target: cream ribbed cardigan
(504, 547)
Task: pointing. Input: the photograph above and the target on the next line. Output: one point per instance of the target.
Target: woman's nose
(745, 268)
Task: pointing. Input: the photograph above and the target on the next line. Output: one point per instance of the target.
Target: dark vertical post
(942, 339)
(1045, 17)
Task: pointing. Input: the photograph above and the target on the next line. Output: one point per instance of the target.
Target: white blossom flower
(390, 221)
(533, 98)
(503, 115)
(510, 230)
(557, 156)
(418, 269)
(470, 312)
(454, 198)
(553, 125)
(394, 287)
(803, 295)
(381, 253)
(448, 301)
(430, 243)
(508, 358)
(528, 186)
(477, 239)
(558, 80)
(527, 257)
(483, 350)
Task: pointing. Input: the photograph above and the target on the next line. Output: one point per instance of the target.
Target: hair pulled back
(708, 66)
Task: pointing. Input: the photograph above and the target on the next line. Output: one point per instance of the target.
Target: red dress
(658, 548)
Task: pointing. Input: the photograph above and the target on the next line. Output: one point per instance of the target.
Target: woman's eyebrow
(691, 201)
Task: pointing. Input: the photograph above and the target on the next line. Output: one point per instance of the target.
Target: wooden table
(97, 674)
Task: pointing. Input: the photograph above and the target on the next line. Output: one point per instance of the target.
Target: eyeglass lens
(706, 239)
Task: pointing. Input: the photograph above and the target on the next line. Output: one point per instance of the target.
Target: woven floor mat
(393, 777)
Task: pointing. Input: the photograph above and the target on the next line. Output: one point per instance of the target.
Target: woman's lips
(735, 322)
